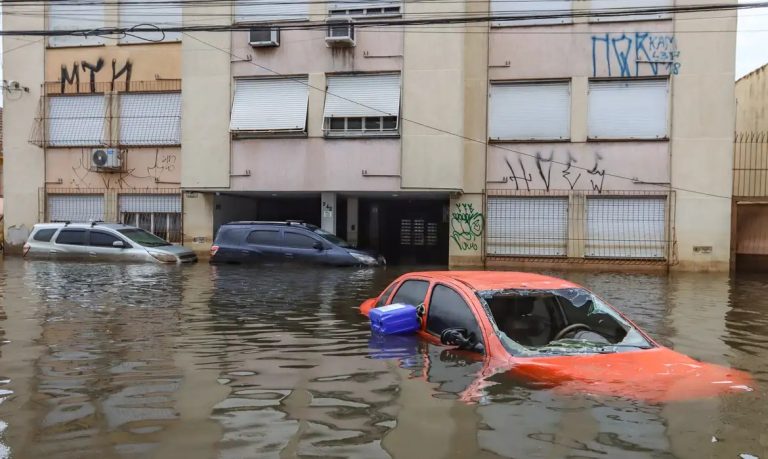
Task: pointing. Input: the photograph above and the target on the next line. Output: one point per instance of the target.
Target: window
(628, 109)
(506, 8)
(270, 106)
(75, 207)
(102, 239)
(44, 235)
(71, 237)
(160, 13)
(608, 5)
(75, 121)
(264, 237)
(150, 119)
(447, 309)
(362, 105)
(411, 292)
(522, 226)
(626, 227)
(271, 11)
(75, 15)
(159, 214)
(530, 111)
(384, 300)
(299, 241)
(365, 8)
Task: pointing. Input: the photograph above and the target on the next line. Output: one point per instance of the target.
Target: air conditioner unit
(105, 158)
(341, 32)
(264, 37)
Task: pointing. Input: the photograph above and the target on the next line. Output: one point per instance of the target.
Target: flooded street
(102, 361)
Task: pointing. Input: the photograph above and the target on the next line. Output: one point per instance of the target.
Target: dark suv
(245, 242)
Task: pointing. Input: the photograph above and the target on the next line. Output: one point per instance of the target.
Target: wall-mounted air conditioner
(105, 158)
(341, 31)
(264, 37)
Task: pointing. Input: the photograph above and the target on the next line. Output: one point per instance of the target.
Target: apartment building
(564, 138)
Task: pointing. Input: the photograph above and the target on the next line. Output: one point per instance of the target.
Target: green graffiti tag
(466, 226)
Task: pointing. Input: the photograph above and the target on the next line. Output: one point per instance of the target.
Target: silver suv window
(44, 235)
(71, 237)
(102, 239)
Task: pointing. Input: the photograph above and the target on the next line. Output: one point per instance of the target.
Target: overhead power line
(404, 22)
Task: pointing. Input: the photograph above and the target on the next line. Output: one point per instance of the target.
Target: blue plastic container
(394, 319)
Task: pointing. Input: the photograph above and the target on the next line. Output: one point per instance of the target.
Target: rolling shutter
(626, 227)
(270, 105)
(362, 95)
(148, 203)
(628, 109)
(530, 8)
(525, 111)
(158, 13)
(150, 119)
(608, 5)
(271, 11)
(523, 226)
(361, 5)
(75, 207)
(76, 121)
(75, 15)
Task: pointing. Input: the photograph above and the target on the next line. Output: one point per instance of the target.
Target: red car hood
(653, 375)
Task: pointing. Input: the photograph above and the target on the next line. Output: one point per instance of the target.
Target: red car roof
(496, 280)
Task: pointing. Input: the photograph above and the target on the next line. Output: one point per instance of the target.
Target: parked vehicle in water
(549, 332)
(103, 242)
(254, 241)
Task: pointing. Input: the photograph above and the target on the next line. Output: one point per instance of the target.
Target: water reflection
(220, 361)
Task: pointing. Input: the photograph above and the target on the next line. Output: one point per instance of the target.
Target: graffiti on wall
(536, 172)
(466, 226)
(634, 54)
(90, 69)
(160, 169)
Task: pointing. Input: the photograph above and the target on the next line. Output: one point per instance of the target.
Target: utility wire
(443, 131)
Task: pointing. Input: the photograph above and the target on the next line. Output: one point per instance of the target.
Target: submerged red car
(553, 333)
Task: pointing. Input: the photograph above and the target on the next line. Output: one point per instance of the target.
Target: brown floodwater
(121, 361)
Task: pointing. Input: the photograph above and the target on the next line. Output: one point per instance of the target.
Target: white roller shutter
(158, 13)
(270, 105)
(362, 95)
(148, 203)
(628, 109)
(271, 11)
(626, 227)
(75, 207)
(530, 8)
(608, 5)
(361, 5)
(530, 111)
(523, 226)
(75, 15)
(150, 119)
(75, 121)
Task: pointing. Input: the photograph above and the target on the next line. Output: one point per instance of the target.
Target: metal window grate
(750, 165)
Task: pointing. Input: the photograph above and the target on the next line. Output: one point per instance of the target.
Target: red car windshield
(561, 321)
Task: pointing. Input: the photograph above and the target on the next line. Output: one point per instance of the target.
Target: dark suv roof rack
(256, 222)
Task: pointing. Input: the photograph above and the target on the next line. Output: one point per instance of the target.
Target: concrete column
(316, 105)
(352, 220)
(328, 209)
(198, 221)
(577, 225)
(579, 95)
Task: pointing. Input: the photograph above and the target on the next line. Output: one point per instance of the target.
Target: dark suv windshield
(332, 238)
(144, 238)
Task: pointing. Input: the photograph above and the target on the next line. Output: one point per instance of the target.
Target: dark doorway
(751, 237)
(281, 209)
(405, 231)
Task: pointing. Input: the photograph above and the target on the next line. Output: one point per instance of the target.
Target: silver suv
(102, 242)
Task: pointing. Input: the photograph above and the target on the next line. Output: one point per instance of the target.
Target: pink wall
(315, 164)
(646, 161)
(304, 51)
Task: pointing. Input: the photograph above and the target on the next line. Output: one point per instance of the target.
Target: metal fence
(750, 164)
(157, 210)
(631, 226)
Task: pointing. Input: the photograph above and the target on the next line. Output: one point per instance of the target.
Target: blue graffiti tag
(658, 52)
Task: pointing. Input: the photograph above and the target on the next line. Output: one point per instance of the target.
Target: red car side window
(447, 309)
(383, 300)
(411, 292)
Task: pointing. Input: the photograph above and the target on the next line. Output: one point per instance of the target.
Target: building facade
(580, 139)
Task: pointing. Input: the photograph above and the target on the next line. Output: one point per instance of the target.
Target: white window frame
(242, 131)
(71, 41)
(492, 110)
(591, 136)
(498, 9)
(603, 4)
(151, 37)
(365, 112)
(363, 132)
(238, 17)
(358, 11)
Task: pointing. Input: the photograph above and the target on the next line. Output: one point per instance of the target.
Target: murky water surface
(102, 361)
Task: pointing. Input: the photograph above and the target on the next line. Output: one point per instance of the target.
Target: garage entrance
(751, 241)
